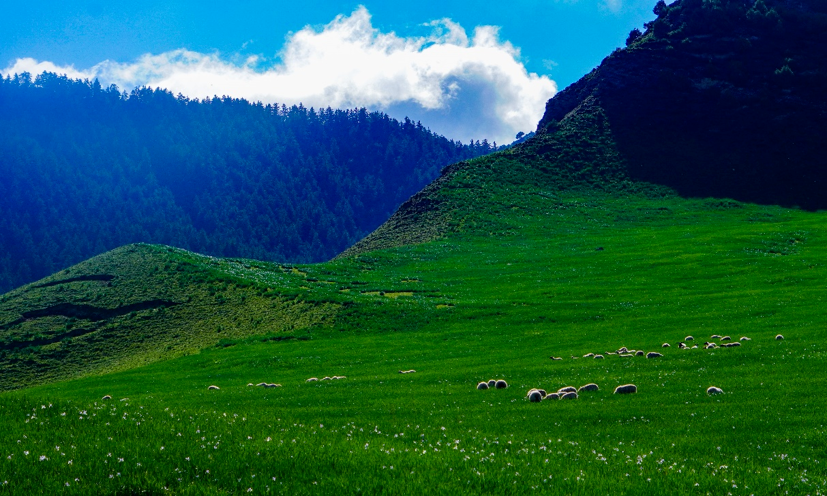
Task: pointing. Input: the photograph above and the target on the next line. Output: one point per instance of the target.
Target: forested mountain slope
(715, 99)
(86, 169)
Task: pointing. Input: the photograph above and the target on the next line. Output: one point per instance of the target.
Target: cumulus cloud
(458, 85)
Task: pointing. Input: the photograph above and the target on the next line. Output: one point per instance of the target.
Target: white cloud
(460, 86)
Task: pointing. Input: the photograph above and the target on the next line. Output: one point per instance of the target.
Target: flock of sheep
(569, 392)
(723, 342)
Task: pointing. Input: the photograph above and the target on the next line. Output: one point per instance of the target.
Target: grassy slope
(517, 281)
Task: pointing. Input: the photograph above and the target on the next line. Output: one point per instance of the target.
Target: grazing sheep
(714, 390)
(501, 384)
(312, 379)
(107, 397)
(543, 392)
(639, 353)
(779, 337)
(681, 345)
(588, 355)
(574, 357)
(340, 377)
(623, 349)
(744, 338)
(553, 396)
(250, 384)
(556, 358)
(272, 385)
(588, 387)
(688, 338)
(482, 385)
(567, 389)
(726, 338)
(535, 396)
(492, 383)
(653, 354)
(710, 346)
(715, 336)
(262, 384)
(665, 345)
(407, 371)
(611, 353)
(213, 388)
(626, 389)
(626, 354)
(695, 347)
(569, 396)
(598, 357)
(730, 345)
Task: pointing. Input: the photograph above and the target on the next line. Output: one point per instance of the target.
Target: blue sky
(465, 69)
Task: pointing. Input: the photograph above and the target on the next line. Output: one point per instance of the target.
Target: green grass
(518, 281)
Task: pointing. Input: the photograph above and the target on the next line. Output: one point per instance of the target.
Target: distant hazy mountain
(86, 169)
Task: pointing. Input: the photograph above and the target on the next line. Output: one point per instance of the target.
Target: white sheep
(626, 354)
(553, 396)
(623, 349)
(715, 336)
(626, 389)
(653, 354)
(567, 389)
(569, 396)
(482, 385)
(492, 383)
(262, 384)
(211, 388)
(598, 357)
(710, 346)
(337, 377)
(407, 371)
(714, 390)
(312, 379)
(107, 397)
(688, 338)
(535, 396)
(779, 337)
(665, 345)
(588, 355)
(588, 387)
(501, 384)
(726, 338)
(744, 338)
(556, 358)
(639, 353)
(730, 345)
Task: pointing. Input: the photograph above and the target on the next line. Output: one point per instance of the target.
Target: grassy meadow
(535, 276)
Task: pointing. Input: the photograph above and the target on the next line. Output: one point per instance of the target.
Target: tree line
(87, 168)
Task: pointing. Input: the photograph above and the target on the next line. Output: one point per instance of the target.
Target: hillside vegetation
(87, 169)
(521, 265)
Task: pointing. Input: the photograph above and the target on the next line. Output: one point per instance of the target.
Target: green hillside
(552, 249)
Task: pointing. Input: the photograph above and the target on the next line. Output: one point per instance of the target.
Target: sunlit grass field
(548, 276)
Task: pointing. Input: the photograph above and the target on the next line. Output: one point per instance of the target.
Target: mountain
(715, 99)
(87, 169)
(603, 137)
(134, 371)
